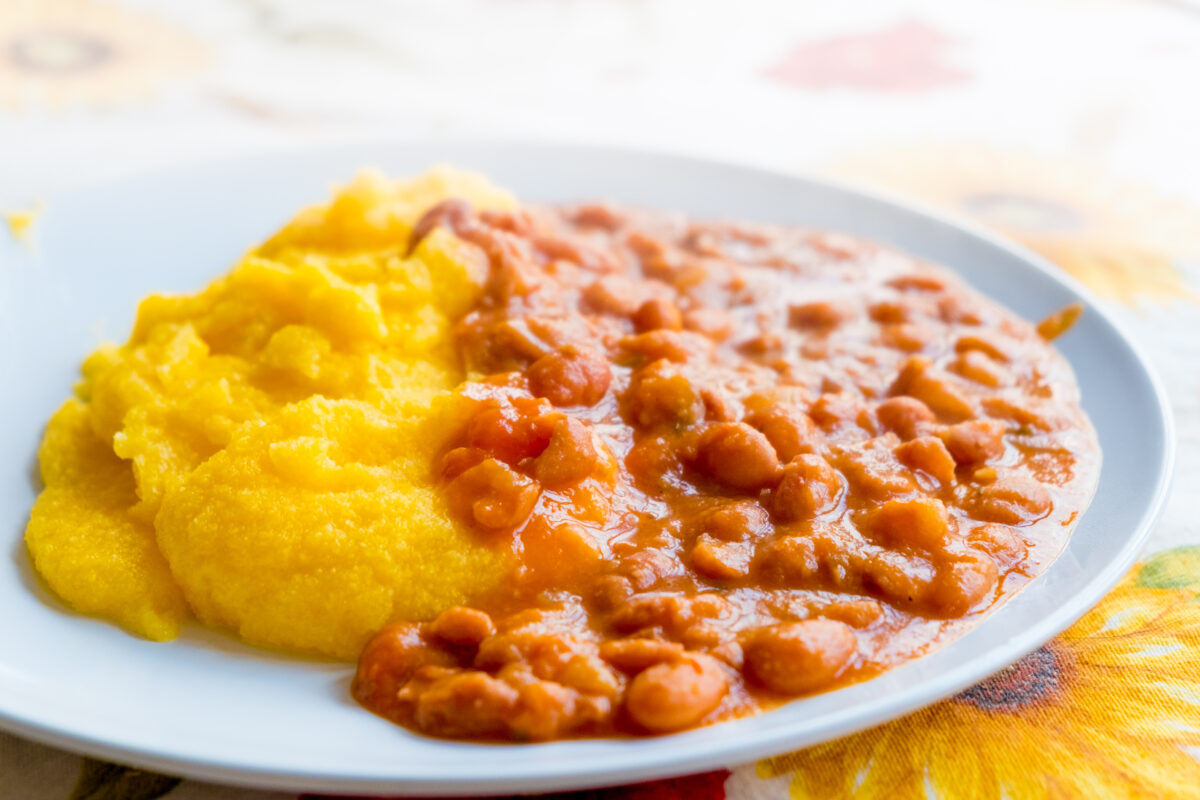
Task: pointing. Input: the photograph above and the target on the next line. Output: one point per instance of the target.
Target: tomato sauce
(734, 464)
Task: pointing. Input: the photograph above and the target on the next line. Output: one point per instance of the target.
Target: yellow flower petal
(1122, 241)
(1104, 711)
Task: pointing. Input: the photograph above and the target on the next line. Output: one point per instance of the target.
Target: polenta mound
(258, 454)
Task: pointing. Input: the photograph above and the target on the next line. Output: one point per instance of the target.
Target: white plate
(207, 706)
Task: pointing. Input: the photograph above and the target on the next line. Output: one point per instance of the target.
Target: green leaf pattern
(1172, 569)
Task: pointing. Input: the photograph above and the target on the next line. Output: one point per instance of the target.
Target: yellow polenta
(259, 452)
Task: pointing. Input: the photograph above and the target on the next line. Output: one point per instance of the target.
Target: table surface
(1069, 125)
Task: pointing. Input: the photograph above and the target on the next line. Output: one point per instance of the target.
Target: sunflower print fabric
(1123, 241)
(61, 54)
(1109, 709)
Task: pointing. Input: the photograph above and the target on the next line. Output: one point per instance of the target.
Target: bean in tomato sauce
(733, 464)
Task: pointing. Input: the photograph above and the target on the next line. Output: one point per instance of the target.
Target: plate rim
(566, 777)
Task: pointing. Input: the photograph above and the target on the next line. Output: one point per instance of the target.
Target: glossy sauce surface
(733, 464)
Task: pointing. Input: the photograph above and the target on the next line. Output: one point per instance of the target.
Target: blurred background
(1048, 119)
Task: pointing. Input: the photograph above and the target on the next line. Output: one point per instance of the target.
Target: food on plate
(566, 471)
(260, 452)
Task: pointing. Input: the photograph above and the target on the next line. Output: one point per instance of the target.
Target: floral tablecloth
(1071, 125)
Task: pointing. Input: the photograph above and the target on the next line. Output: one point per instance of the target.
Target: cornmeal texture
(258, 454)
